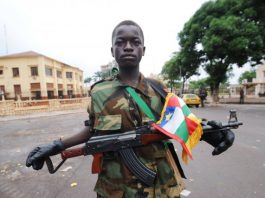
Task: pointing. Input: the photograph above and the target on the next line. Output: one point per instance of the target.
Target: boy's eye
(118, 42)
(137, 42)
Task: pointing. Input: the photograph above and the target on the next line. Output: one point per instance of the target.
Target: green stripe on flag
(186, 111)
(182, 131)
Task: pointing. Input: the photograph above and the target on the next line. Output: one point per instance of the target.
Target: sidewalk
(247, 100)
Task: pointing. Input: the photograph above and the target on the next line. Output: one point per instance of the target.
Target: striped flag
(179, 123)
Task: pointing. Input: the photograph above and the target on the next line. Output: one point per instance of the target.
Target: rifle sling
(159, 89)
(141, 103)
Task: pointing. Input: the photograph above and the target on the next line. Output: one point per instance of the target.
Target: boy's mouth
(128, 57)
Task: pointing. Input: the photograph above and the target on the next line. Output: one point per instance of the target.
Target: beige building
(259, 81)
(257, 86)
(30, 75)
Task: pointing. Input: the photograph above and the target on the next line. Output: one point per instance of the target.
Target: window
(48, 71)
(35, 86)
(1, 70)
(34, 71)
(50, 94)
(2, 91)
(69, 75)
(59, 74)
(15, 72)
(36, 95)
(263, 73)
(49, 86)
(17, 89)
(2, 88)
(80, 78)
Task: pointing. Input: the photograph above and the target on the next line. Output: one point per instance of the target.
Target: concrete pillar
(55, 81)
(42, 74)
(74, 84)
(257, 89)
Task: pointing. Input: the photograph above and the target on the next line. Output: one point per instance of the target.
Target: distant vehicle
(191, 100)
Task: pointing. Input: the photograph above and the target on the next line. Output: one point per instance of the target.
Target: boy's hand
(37, 156)
(220, 140)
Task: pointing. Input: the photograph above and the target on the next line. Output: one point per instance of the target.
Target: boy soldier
(113, 110)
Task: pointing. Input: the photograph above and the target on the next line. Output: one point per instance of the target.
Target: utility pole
(5, 35)
(182, 84)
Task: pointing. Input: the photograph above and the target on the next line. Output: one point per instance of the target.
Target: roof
(32, 54)
(22, 54)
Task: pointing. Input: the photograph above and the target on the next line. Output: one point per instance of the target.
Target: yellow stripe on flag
(169, 95)
(194, 138)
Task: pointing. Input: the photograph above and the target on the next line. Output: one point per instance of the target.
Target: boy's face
(127, 46)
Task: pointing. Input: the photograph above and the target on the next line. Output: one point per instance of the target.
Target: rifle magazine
(143, 173)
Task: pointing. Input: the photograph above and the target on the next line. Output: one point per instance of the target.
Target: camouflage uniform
(114, 111)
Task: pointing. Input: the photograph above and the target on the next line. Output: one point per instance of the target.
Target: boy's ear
(143, 50)
(112, 52)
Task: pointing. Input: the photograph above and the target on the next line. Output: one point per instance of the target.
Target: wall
(11, 107)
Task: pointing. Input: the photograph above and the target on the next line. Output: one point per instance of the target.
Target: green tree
(224, 33)
(88, 80)
(98, 75)
(197, 84)
(248, 75)
(181, 66)
(170, 72)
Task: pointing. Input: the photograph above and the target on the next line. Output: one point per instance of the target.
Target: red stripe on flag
(191, 125)
(173, 102)
(173, 136)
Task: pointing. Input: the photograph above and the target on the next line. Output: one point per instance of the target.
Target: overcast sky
(78, 32)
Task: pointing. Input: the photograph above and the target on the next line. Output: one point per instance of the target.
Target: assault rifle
(124, 143)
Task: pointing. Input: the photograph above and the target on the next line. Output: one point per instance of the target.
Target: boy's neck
(131, 74)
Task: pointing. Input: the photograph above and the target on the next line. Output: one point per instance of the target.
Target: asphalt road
(239, 172)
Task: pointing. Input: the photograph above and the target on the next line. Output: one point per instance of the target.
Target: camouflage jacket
(113, 110)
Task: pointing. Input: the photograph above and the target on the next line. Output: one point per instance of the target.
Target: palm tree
(97, 76)
(87, 80)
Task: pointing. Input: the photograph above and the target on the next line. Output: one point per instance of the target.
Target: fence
(11, 107)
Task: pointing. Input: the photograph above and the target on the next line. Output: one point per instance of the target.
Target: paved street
(239, 172)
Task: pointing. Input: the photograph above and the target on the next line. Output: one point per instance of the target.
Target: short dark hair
(127, 22)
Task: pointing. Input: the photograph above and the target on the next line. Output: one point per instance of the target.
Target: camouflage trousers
(143, 192)
(166, 184)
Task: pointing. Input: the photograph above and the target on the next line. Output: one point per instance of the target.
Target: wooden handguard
(69, 153)
(149, 138)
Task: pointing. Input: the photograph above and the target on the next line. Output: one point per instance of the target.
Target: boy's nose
(128, 47)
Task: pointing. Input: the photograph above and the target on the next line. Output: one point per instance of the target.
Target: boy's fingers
(220, 148)
(31, 156)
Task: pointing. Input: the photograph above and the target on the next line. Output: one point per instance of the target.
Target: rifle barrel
(231, 125)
